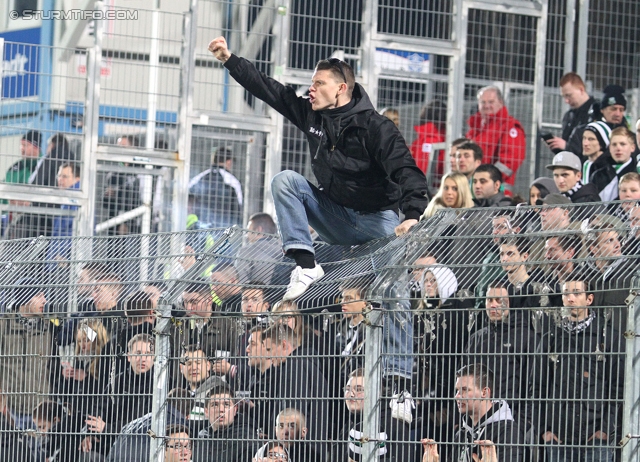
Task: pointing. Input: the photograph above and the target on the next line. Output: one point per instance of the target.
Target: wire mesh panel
(480, 324)
(227, 175)
(610, 57)
(421, 110)
(31, 152)
(321, 29)
(415, 18)
(133, 198)
(247, 28)
(505, 59)
(140, 72)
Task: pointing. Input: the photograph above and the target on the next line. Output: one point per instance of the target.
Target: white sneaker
(401, 406)
(301, 279)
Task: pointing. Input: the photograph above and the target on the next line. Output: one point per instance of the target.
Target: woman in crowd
(541, 188)
(85, 378)
(454, 193)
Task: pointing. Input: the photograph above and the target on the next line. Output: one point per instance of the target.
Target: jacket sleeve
(393, 154)
(511, 153)
(539, 382)
(280, 97)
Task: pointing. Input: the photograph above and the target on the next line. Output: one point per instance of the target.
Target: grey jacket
(26, 371)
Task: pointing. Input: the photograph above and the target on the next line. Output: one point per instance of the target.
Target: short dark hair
(264, 221)
(279, 333)
(341, 71)
(523, 244)
(192, 349)
(49, 411)
(492, 170)
(482, 375)
(359, 372)
(138, 304)
(222, 389)
(221, 155)
(498, 284)
(176, 428)
(361, 284)
(581, 276)
(568, 241)
(435, 111)
(74, 166)
(181, 400)
(471, 146)
(459, 141)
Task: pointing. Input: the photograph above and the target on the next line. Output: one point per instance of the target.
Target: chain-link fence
(513, 325)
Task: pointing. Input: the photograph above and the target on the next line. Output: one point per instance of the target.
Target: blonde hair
(101, 340)
(629, 177)
(464, 200)
(289, 309)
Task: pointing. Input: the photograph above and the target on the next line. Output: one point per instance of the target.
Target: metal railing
(493, 324)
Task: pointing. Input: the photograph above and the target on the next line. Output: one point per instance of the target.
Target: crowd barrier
(513, 325)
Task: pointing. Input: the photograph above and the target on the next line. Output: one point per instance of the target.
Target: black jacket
(237, 442)
(506, 348)
(498, 426)
(497, 200)
(575, 378)
(574, 144)
(359, 157)
(587, 193)
(574, 118)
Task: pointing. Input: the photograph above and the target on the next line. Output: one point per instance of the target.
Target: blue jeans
(299, 204)
(596, 453)
(397, 329)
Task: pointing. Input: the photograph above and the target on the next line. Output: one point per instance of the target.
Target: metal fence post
(160, 380)
(631, 409)
(372, 380)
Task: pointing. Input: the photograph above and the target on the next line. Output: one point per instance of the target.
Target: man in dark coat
(576, 378)
(567, 173)
(229, 437)
(363, 165)
(487, 180)
(581, 112)
(483, 419)
(504, 345)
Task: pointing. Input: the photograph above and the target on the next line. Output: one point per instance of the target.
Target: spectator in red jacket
(432, 129)
(500, 136)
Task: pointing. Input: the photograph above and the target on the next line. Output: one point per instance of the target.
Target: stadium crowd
(501, 331)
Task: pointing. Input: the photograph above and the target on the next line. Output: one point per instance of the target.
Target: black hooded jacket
(359, 157)
(576, 376)
(506, 348)
(498, 426)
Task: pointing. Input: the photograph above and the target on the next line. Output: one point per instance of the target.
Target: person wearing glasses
(229, 436)
(275, 451)
(393, 440)
(364, 169)
(177, 447)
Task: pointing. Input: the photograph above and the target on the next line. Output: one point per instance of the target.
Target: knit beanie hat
(613, 94)
(546, 183)
(602, 132)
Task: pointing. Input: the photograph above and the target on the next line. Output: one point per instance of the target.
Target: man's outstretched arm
(280, 97)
